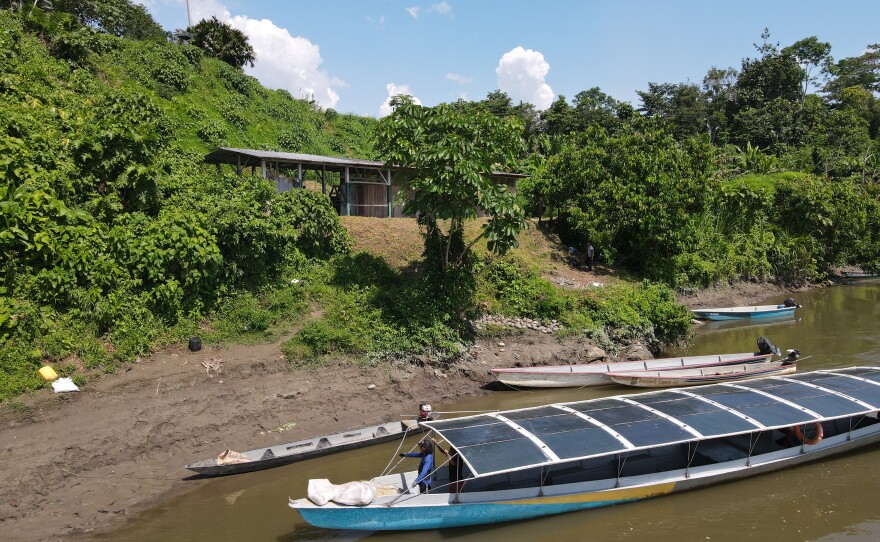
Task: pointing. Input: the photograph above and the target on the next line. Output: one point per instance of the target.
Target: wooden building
(356, 187)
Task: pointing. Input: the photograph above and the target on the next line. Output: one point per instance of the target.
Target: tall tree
(221, 41)
(683, 106)
(719, 87)
(118, 17)
(810, 53)
(776, 75)
(861, 71)
(768, 98)
(500, 104)
(558, 119)
(450, 154)
(595, 108)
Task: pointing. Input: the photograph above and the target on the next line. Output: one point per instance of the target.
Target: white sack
(321, 491)
(355, 493)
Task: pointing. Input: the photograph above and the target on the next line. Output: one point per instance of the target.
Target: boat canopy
(499, 442)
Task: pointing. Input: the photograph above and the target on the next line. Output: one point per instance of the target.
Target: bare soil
(75, 464)
(80, 463)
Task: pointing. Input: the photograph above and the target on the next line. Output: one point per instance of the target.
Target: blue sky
(351, 55)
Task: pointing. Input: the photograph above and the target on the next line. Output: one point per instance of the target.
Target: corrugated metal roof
(230, 155)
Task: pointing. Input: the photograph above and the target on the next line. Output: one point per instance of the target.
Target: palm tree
(221, 41)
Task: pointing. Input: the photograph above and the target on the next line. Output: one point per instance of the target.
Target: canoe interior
(556, 376)
(284, 454)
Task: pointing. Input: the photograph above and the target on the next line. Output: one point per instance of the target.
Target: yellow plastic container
(48, 373)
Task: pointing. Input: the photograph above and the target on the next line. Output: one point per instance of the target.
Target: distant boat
(751, 312)
(566, 457)
(858, 276)
(702, 375)
(595, 374)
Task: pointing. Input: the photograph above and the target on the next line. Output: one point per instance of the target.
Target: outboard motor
(793, 355)
(766, 347)
(790, 302)
(425, 414)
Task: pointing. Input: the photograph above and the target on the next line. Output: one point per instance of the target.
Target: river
(825, 501)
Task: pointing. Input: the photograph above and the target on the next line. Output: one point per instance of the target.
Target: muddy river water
(835, 499)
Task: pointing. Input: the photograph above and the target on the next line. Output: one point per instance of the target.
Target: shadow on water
(765, 323)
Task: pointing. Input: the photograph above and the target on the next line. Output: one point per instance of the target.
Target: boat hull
(572, 376)
(285, 454)
(667, 379)
(466, 514)
(744, 313)
(391, 517)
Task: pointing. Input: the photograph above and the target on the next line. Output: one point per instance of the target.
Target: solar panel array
(552, 434)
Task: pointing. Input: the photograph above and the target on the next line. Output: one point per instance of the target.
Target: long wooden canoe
(703, 375)
(230, 462)
(594, 374)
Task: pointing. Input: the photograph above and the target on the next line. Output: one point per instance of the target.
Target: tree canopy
(450, 155)
(221, 41)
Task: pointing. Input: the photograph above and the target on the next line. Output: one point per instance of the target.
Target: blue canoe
(740, 313)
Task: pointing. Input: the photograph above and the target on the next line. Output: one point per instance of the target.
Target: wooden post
(388, 191)
(238, 167)
(347, 191)
(323, 179)
(299, 175)
(263, 168)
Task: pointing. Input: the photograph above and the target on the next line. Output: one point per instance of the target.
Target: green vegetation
(223, 42)
(116, 238)
(450, 155)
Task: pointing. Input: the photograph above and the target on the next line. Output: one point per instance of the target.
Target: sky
(354, 55)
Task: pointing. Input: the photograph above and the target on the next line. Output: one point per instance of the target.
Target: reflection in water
(822, 501)
(720, 326)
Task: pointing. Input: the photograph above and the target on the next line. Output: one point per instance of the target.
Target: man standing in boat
(455, 467)
(426, 465)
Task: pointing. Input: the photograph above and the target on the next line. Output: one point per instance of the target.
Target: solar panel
(551, 434)
(704, 417)
(826, 403)
(848, 384)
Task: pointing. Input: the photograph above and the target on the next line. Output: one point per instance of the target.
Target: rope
(388, 468)
(465, 411)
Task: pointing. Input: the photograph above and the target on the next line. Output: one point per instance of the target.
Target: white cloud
(283, 61)
(458, 78)
(377, 22)
(521, 74)
(442, 8)
(205, 9)
(413, 12)
(394, 90)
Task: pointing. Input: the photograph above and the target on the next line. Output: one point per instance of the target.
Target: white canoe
(595, 374)
(702, 375)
